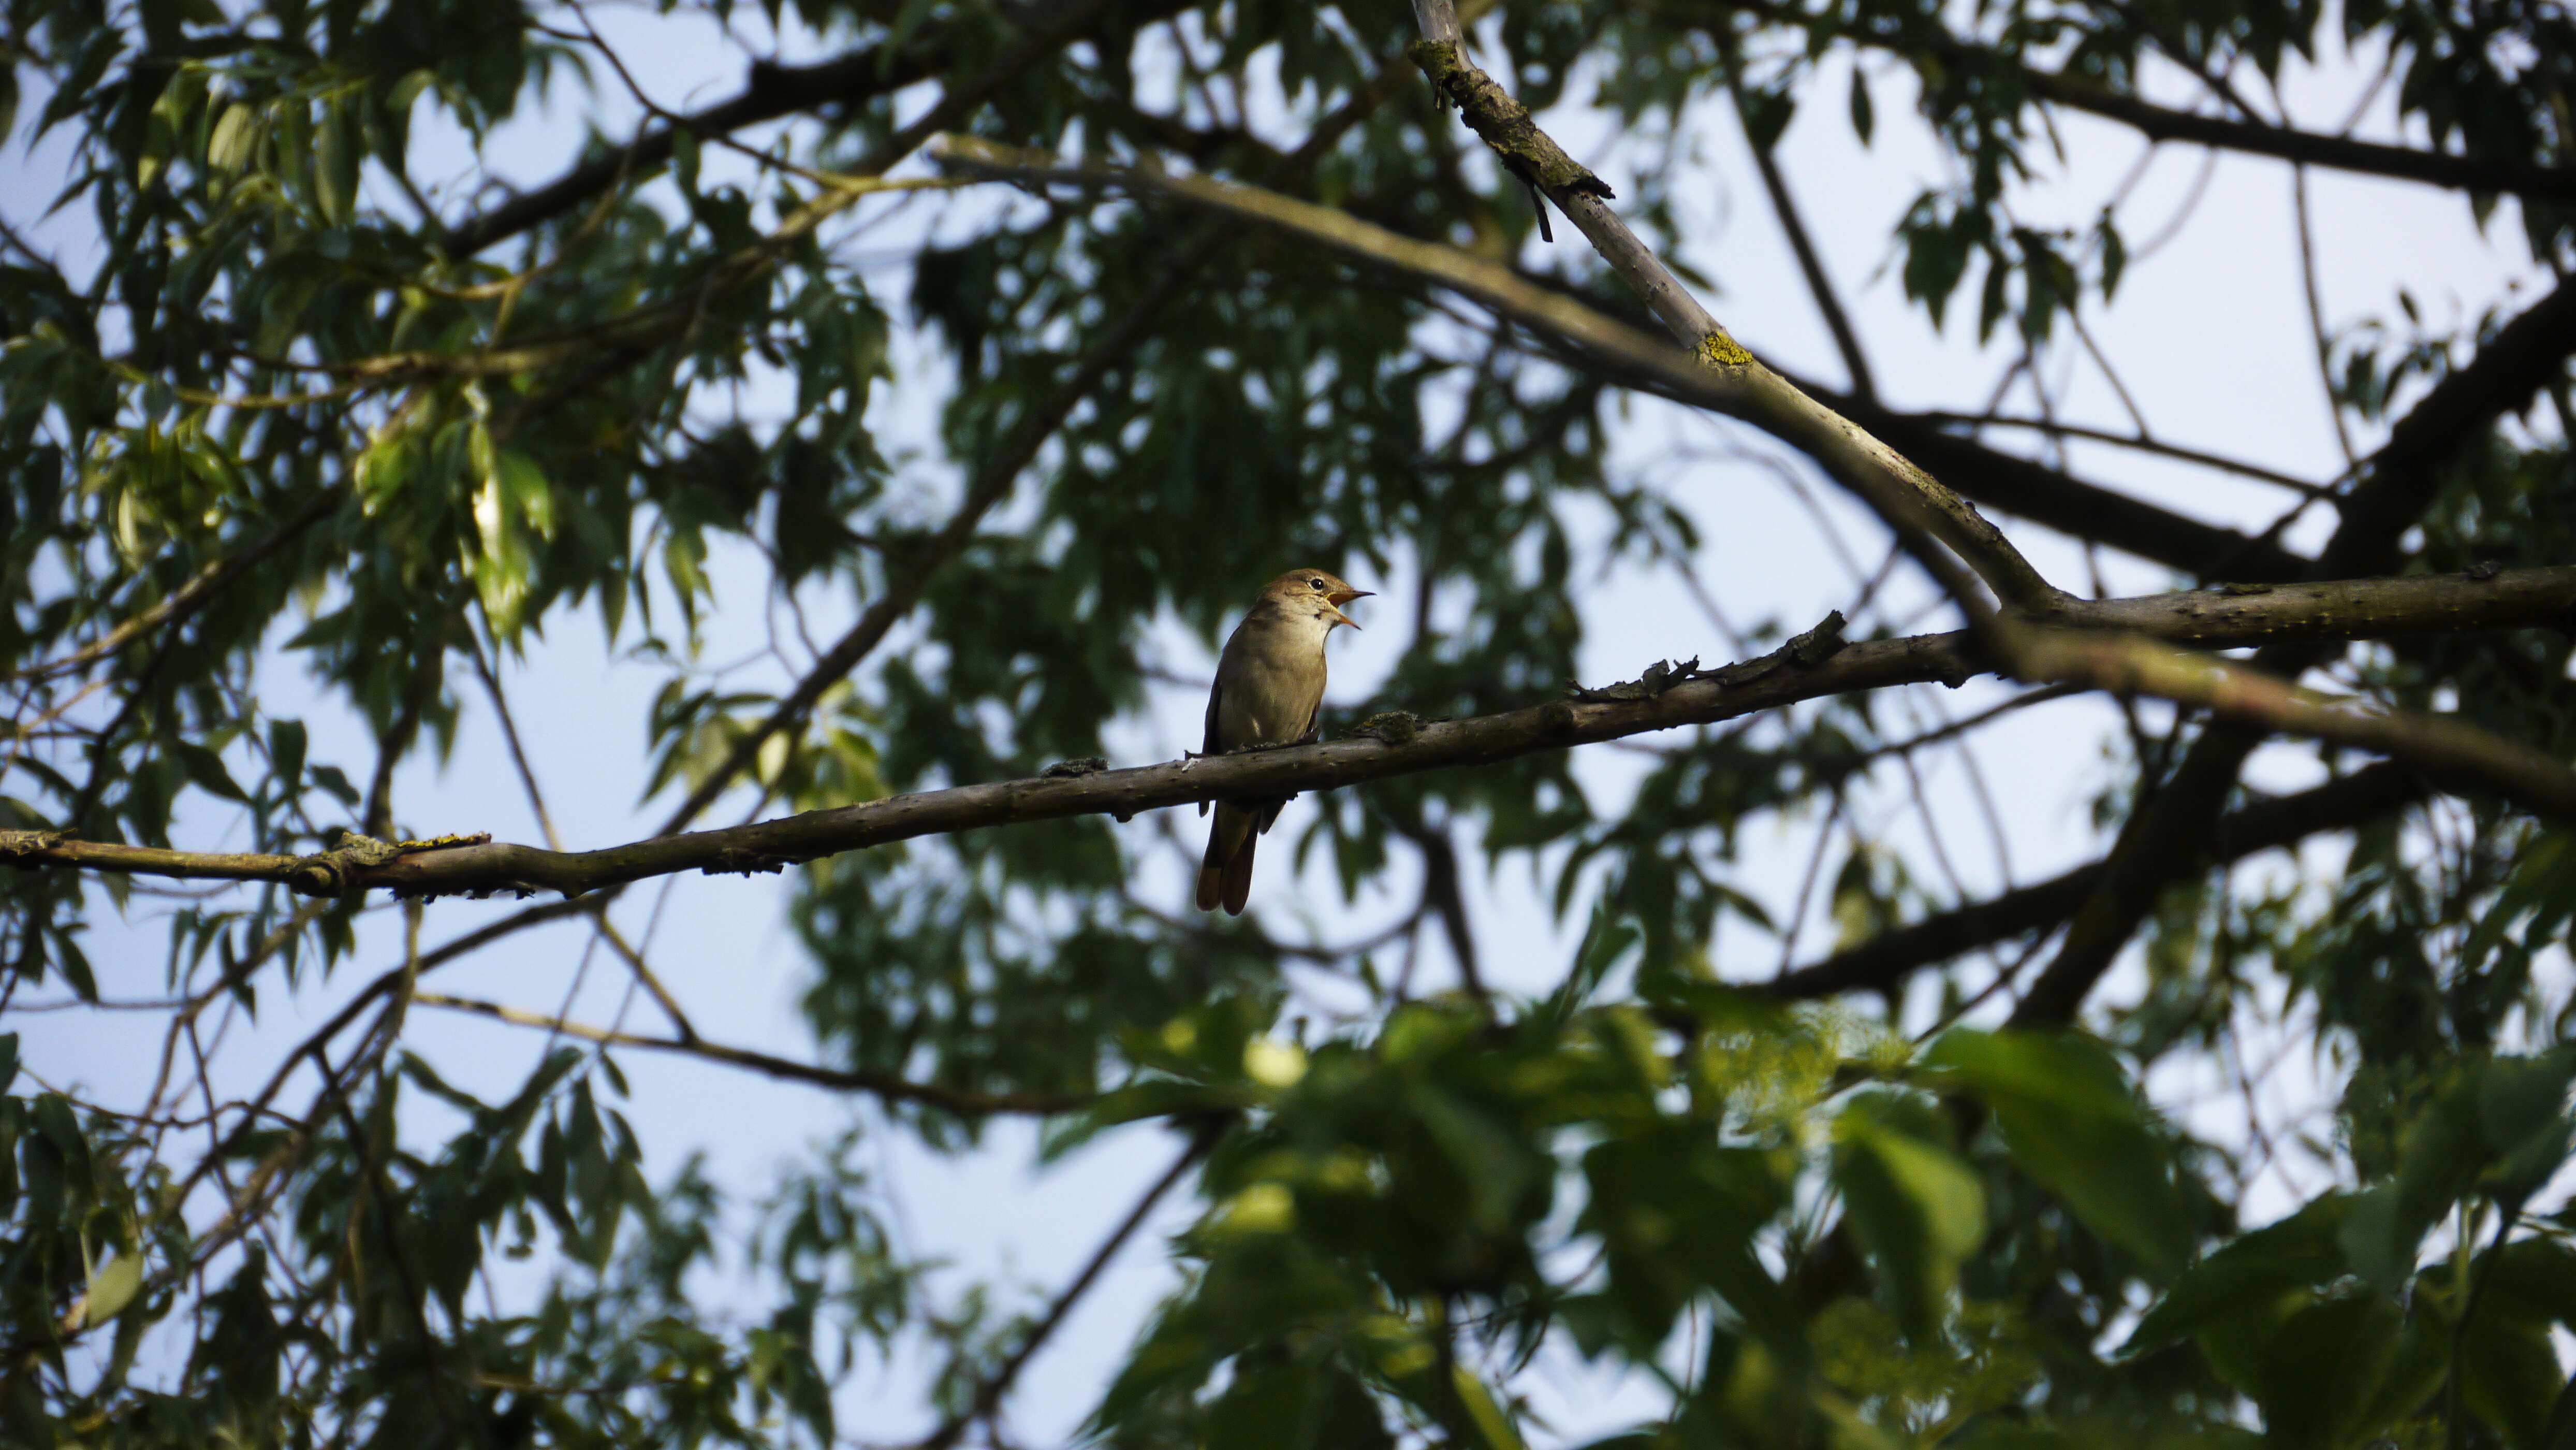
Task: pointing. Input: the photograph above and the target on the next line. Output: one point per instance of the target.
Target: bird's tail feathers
(1230, 840)
(1238, 876)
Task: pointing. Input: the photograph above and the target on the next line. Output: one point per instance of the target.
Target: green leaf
(2509, 1377)
(235, 138)
(2534, 1279)
(1606, 939)
(330, 778)
(286, 744)
(206, 768)
(1296, 1407)
(2343, 1367)
(1485, 1418)
(2070, 1123)
(112, 1288)
(531, 498)
(2250, 1275)
(1917, 1208)
(335, 169)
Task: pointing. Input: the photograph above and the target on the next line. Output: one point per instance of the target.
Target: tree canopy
(317, 365)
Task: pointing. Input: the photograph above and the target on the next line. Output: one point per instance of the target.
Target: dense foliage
(318, 391)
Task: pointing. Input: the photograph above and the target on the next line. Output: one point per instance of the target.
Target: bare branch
(989, 1394)
(883, 1085)
(2081, 641)
(844, 83)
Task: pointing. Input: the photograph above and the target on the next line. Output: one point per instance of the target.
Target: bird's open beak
(1340, 597)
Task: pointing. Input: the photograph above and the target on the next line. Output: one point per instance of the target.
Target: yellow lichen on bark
(1720, 350)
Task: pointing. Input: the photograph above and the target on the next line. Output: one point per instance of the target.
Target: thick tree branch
(1902, 493)
(2029, 489)
(1888, 958)
(2524, 356)
(2448, 748)
(1803, 670)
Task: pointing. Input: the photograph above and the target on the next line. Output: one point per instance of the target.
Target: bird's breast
(1269, 681)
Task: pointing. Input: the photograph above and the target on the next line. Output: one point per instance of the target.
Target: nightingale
(1269, 683)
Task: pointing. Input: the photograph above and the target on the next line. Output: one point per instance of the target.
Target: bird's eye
(1316, 583)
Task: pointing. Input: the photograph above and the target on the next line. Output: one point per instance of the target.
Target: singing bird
(1269, 683)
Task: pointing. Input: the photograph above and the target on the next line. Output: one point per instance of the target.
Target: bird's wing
(1207, 741)
(1312, 730)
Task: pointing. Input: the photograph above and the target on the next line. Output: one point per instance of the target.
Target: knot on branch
(1504, 124)
(736, 861)
(30, 846)
(340, 870)
(1390, 727)
(1813, 647)
(1075, 769)
(1660, 676)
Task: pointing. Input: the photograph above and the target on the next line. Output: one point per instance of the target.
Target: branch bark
(2339, 153)
(1806, 669)
(2032, 490)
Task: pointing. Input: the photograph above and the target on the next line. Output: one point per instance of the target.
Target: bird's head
(1304, 590)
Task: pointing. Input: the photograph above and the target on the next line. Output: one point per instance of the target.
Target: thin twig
(988, 1395)
(883, 1085)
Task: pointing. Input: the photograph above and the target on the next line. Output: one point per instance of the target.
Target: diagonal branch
(990, 1392)
(1906, 497)
(1885, 960)
(2032, 490)
(1729, 381)
(2340, 153)
(1802, 246)
(184, 601)
(2446, 747)
(2398, 482)
(2163, 839)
